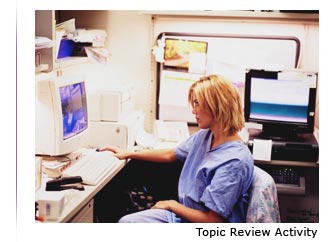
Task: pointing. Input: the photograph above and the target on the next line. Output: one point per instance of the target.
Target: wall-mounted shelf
(248, 15)
(45, 26)
(72, 60)
(288, 163)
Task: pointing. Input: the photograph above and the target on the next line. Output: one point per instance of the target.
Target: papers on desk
(145, 139)
(167, 134)
(73, 42)
(98, 55)
(171, 131)
(54, 168)
(67, 26)
(43, 42)
(95, 36)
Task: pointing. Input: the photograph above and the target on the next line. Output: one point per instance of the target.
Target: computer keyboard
(93, 166)
(286, 175)
(288, 179)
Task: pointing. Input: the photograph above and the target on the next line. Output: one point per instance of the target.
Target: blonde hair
(220, 98)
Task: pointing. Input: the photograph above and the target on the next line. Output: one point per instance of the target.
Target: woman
(218, 167)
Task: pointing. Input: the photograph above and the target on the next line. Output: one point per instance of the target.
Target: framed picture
(177, 52)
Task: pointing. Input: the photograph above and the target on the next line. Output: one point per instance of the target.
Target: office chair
(263, 203)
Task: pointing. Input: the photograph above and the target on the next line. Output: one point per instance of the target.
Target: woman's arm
(161, 155)
(189, 214)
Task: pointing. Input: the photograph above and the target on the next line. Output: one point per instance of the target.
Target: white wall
(130, 41)
(129, 44)
(306, 32)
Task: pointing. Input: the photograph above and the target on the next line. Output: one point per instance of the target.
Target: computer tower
(121, 134)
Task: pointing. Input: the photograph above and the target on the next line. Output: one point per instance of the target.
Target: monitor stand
(282, 137)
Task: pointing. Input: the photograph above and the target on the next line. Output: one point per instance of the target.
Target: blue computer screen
(279, 100)
(74, 109)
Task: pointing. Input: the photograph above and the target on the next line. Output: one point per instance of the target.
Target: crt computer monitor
(61, 116)
(283, 102)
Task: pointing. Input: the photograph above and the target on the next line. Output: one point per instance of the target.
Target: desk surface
(76, 200)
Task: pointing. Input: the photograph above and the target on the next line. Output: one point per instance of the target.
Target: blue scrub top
(215, 179)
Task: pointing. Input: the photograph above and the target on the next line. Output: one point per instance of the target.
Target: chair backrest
(263, 203)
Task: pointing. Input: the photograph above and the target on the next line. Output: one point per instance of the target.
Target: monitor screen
(283, 102)
(61, 115)
(74, 109)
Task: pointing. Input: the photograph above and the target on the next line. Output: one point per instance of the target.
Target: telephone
(171, 131)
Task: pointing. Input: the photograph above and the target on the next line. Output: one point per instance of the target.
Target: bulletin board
(188, 56)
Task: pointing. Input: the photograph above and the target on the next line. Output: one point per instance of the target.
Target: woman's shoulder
(201, 137)
(234, 150)
(241, 149)
(203, 133)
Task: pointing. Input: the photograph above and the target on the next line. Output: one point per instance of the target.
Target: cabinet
(85, 215)
(297, 203)
(301, 208)
(45, 24)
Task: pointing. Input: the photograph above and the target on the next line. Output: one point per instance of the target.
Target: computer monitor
(61, 116)
(283, 102)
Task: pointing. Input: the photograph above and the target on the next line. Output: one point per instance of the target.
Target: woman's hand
(189, 214)
(167, 204)
(118, 152)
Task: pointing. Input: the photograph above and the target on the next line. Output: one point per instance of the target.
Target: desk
(296, 203)
(78, 200)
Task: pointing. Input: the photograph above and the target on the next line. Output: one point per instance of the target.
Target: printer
(303, 147)
(121, 134)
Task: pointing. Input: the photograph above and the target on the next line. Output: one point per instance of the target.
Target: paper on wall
(262, 149)
(174, 87)
(197, 62)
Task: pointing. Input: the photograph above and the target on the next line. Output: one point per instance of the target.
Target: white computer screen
(279, 100)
